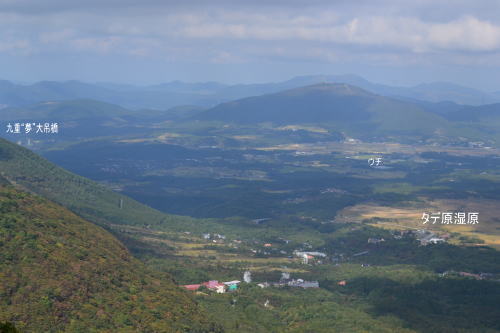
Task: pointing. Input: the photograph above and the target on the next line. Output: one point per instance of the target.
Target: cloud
(467, 33)
(390, 32)
(56, 36)
(16, 47)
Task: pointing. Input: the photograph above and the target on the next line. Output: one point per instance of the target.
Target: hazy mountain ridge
(64, 111)
(133, 97)
(344, 107)
(170, 94)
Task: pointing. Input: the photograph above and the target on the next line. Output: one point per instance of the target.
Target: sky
(398, 42)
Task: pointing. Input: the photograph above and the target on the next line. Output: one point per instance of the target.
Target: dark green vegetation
(341, 110)
(367, 304)
(8, 327)
(231, 181)
(60, 273)
(396, 286)
(359, 113)
(347, 108)
(90, 200)
(375, 298)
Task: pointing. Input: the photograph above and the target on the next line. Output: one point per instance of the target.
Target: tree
(6, 327)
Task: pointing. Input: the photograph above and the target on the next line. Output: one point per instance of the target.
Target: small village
(231, 286)
(303, 257)
(423, 236)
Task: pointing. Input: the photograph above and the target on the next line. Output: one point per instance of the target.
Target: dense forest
(61, 273)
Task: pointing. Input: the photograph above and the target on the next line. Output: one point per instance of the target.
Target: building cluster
(214, 285)
(307, 256)
(222, 287)
(427, 237)
(214, 237)
(375, 240)
(424, 236)
(286, 281)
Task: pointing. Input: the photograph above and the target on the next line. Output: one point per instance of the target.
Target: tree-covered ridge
(60, 273)
(88, 199)
(345, 107)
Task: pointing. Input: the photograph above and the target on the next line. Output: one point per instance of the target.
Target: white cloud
(58, 36)
(468, 33)
(233, 33)
(16, 47)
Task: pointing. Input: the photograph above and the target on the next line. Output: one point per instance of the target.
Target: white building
(247, 276)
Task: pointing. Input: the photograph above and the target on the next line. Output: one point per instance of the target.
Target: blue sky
(151, 41)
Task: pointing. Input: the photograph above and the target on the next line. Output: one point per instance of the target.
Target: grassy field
(407, 217)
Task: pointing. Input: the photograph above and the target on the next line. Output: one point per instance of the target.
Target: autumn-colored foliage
(60, 273)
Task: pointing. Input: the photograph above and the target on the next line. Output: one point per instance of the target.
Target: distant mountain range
(342, 107)
(207, 94)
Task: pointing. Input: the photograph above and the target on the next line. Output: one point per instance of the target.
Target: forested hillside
(60, 273)
(346, 107)
(88, 199)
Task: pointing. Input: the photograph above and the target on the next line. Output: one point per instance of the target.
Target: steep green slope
(60, 273)
(88, 199)
(347, 107)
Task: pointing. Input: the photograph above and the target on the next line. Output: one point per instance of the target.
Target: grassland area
(405, 217)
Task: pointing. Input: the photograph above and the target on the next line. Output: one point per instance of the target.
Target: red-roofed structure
(192, 287)
(212, 285)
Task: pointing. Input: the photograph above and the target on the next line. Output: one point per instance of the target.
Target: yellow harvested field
(488, 228)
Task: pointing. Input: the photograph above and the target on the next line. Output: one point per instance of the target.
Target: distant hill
(60, 273)
(487, 114)
(344, 106)
(429, 92)
(127, 96)
(16, 95)
(84, 118)
(484, 113)
(444, 91)
(64, 111)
